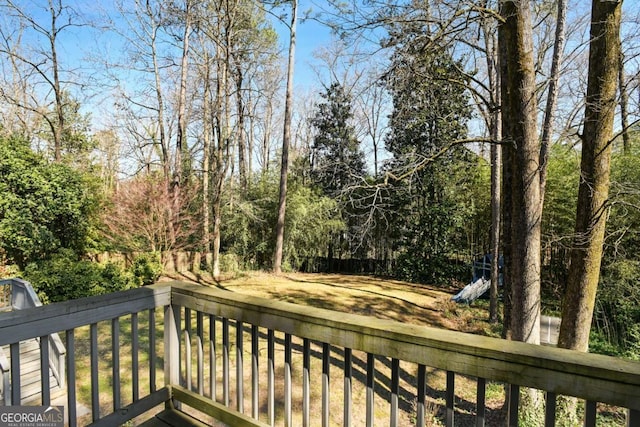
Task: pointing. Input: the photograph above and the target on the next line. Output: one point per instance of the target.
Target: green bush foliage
(617, 311)
(64, 277)
(44, 206)
(147, 267)
(248, 224)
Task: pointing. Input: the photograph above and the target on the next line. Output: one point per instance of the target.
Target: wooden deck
(172, 418)
(30, 372)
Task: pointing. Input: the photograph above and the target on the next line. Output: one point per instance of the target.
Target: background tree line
(176, 143)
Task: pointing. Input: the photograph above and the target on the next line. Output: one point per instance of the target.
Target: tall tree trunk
(552, 95)
(58, 130)
(223, 159)
(206, 158)
(624, 106)
(266, 138)
(520, 135)
(242, 149)
(586, 252)
(181, 140)
(495, 125)
(496, 165)
(166, 167)
(286, 141)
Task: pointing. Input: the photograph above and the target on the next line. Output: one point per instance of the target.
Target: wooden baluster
(370, 388)
(71, 377)
(255, 373)
(348, 399)
(590, 414)
(135, 358)
(395, 390)
(287, 381)
(44, 371)
(481, 409)
(200, 344)
(239, 367)
(271, 410)
(450, 397)
(633, 418)
(16, 387)
(115, 362)
(306, 379)
(187, 347)
(421, 396)
(172, 354)
(153, 358)
(550, 410)
(514, 403)
(225, 361)
(212, 357)
(95, 389)
(326, 363)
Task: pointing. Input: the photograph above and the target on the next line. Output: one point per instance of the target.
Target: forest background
(157, 127)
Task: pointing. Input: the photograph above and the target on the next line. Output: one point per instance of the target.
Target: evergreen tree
(337, 162)
(429, 115)
(338, 166)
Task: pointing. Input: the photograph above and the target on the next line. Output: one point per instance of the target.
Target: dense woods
(434, 132)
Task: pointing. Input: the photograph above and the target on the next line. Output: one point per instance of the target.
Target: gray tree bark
(286, 141)
(593, 192)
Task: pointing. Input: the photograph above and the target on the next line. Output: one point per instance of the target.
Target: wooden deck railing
(266, 362)
(18, 294)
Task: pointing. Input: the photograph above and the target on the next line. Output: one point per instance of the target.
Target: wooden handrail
(23, 296)
(589, 376)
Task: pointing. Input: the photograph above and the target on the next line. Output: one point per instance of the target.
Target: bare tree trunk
(586, 253)
(495, 125)
(286, 141)
(181, 140)
(222, 155)
(266, 138)
(496, 165)
(624, 106)
(242, 149)
(206, 158)
(552, 95)
(159, 98)
(507, 179)
(520, 134)
(59, 128)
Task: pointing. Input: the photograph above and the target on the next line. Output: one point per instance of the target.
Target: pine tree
(337, 162)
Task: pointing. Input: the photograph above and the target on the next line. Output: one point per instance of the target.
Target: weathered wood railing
(381, 363)
(18, 294)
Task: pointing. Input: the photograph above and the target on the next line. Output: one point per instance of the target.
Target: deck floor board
(173, 418)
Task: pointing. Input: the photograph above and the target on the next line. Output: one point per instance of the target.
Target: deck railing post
(171, 345)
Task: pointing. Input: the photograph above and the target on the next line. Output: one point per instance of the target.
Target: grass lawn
(366, 295)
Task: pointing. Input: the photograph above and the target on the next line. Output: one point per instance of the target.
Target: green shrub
(64, 277)
(230, 263)
(147, 267)
(617, 311)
